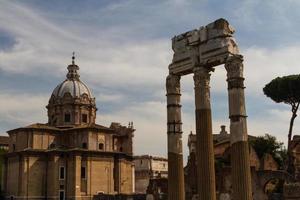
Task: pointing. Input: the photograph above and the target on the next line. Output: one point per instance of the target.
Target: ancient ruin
(199, 51)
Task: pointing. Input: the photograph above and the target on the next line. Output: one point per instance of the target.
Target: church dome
(72, 85)
(75, 88)
(71, 102)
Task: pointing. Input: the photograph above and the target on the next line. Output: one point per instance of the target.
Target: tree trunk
(290, 167)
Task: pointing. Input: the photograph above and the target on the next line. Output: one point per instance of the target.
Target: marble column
(240, 162)
(204, 148)
(175, 158)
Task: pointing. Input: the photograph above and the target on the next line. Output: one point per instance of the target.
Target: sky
(123, 49)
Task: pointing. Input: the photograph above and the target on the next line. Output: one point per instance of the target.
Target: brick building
(70, 157)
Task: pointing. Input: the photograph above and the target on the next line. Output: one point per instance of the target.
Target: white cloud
(263, 65)
(113, 57)
(23, 109)
(109, 97)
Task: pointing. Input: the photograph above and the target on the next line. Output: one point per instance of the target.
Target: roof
(39, 126)
(150, 157)
(218, 138)
(75, 88)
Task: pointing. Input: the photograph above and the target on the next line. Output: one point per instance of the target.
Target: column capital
(201, 77)
(173, 84)
(234, 66)
(202, 89)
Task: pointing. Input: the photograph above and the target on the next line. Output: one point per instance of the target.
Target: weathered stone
(198, 51)
(175, 157)
(225, 196)
(209, 45)
(291, 191)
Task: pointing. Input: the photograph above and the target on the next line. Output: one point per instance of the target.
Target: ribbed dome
(76, 88)
(71, 102)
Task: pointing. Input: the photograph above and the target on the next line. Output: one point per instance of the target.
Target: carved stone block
(207, 46)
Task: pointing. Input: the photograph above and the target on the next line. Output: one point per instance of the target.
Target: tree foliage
(286, 89)
(268, 144)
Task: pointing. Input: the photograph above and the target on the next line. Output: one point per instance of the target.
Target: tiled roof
(65, 128)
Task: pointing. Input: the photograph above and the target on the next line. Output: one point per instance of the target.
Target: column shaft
(240, 162)
(175, 159)
(204, 149)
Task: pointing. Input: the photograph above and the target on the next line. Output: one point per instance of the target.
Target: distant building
(295, 146)
(70, 157)
(146, 168)
(4, 142)
(263, 165)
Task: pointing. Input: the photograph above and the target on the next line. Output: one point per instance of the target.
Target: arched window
(84, 118)
(67, 117)
(52, 145)
(101, 146)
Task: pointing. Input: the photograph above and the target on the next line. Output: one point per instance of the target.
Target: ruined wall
(219, 149)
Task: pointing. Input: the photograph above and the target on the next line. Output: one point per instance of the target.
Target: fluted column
(240, 163)
(175, 158)
(204, 149)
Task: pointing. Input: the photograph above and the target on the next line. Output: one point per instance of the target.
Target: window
(67, 117)
(61, 173)
(52, 145)
(61, 195)
(83, 173)
(14, 147)
(101, 146)
(84, 118)
(84, 145)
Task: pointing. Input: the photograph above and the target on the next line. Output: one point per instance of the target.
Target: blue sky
(123, 49)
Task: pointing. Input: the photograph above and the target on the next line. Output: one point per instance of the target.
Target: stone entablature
(209, 45)
(198, 52)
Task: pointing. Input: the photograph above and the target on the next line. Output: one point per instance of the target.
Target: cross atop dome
(73, 58)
